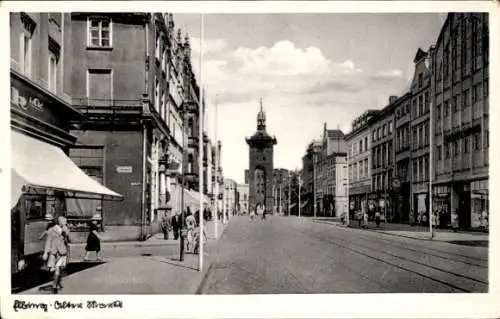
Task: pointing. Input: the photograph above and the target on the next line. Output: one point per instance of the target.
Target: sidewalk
(418, 232)
(149, 267)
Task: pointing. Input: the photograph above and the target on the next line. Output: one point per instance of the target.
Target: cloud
(388, 75)
(301, 89)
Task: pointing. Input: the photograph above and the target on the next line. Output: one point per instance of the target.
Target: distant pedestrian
(252, 214)
(197, 238)
(176, 225)
(377, 218)
(166, 223)
(93, 239)
(365, 219)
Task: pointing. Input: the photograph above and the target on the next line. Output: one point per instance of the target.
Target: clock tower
(261, 165)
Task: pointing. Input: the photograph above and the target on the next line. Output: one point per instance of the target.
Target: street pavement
(290, 255)
(149, 267)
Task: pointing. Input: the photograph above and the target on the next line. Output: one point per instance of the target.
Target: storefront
(441, 205)
(420, 208)
(43, 177)
(480, 204)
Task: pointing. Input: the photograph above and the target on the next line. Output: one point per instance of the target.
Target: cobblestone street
(292, 255)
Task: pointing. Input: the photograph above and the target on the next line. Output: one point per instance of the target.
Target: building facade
(280, 182)
(44, 180)
(420, 138)
(382, 159)
(359, 162)
(230, 197)
(402, 154)
(261, 162)
(243, 192)
(460, 91)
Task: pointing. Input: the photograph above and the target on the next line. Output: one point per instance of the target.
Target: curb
(204, 280)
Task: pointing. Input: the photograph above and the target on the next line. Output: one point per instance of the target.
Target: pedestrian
(252, 214)
(56, 251)
(196, 235)
(484, 220)
(377, 219)
(166, 225)
(93, 239)
(365, 219)
(190, 225)
(176, 225)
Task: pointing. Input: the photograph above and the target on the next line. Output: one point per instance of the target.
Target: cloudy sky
(308, 68)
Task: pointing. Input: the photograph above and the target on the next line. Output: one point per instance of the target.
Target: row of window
(382, 155)
(359, 170)
(359, 147)
(466, 99)
(464, 145)
(403, 138)
(420, 136)
(26, 58)
(382, 131)
(421, 168)
(381, 181)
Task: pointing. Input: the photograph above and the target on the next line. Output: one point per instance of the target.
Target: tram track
(459, 282)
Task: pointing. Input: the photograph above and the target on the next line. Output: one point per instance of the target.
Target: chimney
(392, 99)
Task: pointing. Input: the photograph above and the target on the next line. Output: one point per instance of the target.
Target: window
(486, 88)
(36, 206)
(374, 135)
(385, 130)
(26, 44)
(53, 61)
(420, 80)
(100, 85)
(426, 168)
(466, 99)
(466, 145)
(476, 141)
(415, 170)
(438, 153)
(438, 112)
(361, 146)
(426, 101)
(366, 143)
(366, 166)
(446, 151)
(99, 32)
(420, 105)
(378, 133)
(361, 171)
(455, 148)
(446, 109)
(390, 127)
(158, 46)
(426, 133)
(476, 93)
(454, 104)
(486, 139)
(157, 95)
(163, 111)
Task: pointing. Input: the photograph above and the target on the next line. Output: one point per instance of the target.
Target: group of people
(259, 210)
(56, 251)
(190, 222)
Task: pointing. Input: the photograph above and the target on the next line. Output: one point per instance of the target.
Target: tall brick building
(261, 162)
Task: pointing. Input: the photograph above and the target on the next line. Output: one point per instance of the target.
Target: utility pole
(216, 177)
(200, 150)
(289, 184)
(314, 180)
(300, 184)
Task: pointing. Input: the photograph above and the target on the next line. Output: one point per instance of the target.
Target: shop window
(35, 206)
(100, 84)
(99, 33)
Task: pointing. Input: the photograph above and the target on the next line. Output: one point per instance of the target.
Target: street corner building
(260, 172)
(117, 93)
(44, 180)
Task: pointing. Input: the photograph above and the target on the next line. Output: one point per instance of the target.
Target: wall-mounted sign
(124, 169)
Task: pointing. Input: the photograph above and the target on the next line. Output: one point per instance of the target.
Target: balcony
(107, 110)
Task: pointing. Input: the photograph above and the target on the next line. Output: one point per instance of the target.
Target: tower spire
(261, 118)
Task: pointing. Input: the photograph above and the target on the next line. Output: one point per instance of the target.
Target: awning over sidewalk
(41, 165)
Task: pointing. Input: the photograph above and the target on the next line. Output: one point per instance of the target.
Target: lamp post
(300, 185)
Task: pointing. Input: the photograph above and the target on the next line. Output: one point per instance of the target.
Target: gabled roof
(420, 55)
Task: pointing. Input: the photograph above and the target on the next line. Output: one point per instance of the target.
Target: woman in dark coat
(94, 239)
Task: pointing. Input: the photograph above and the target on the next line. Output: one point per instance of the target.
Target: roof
(420, 55)
(335, 133)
